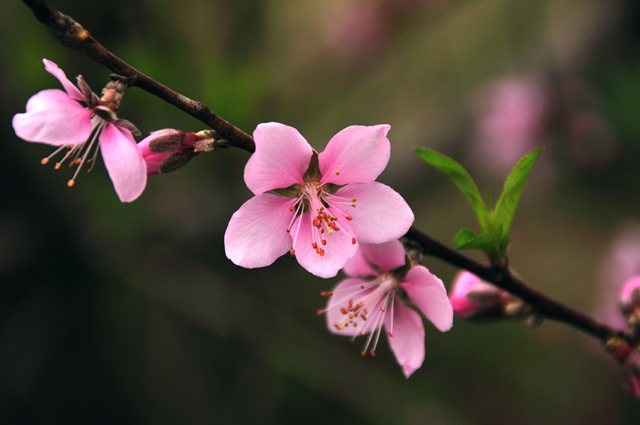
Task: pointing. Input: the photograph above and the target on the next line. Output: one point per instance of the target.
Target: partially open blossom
(359, 306)
(316, 206)
(169, 149)
(478, 301)
(57, 118)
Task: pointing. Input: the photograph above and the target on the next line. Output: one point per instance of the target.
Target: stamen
(47, 159)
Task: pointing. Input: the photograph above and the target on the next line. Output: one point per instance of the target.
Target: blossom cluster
(325, 209)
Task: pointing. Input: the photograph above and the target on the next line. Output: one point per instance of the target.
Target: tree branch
(72, 35)
(504, 279)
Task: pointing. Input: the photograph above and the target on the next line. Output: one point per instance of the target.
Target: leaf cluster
(495, 223)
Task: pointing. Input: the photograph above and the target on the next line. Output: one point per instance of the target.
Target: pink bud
(471, 297)
(630, 294)
(153, 159)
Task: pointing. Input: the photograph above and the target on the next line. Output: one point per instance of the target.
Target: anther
(288, 230)
(314, 245)
(353, 199)
(373, 353)
(70, 183)
(363, 353)
(290, 207)
(44, 161)
(353, 241)
(390, 334)
(326, 293)
(362, 333)
(324, 242)
(349, 218)
(337, 172)
(320, 311)
(292, 252)
(58, 165)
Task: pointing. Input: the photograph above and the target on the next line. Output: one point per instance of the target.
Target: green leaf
(485, 242)
(462, 179)
(502, 216)
(464, 236)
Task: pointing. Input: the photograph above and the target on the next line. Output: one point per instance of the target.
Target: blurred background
(117, 313)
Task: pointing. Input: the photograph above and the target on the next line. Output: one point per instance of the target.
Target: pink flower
(316, 206)
(56, 118)
(360, 307)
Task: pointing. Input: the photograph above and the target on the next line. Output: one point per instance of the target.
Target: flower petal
(388, 256)
(123, 161)
(357, 154)
(407, 342)
(428, 293)
(71, 89)
(281, 158)
(462, 304)
(359, 265)
(338, 250)
(152, 159)
(256, 235)
(348, 289)
(54, 119)
(380, 215)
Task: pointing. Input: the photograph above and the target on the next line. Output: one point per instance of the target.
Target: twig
(504, 279)
(71, 34)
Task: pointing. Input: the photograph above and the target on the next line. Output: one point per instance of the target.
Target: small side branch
(504, 279)
(73, 35)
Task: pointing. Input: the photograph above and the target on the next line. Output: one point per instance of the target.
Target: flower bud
(477, 301)
(167, 150)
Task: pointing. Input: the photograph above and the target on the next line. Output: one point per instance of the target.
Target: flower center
(79, 154)
(316, 199)
(368, 311)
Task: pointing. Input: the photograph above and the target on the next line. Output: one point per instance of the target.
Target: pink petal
(257, 233)
(348, 289)
(629, 286)
(359, 265)
(281, 158)
(53, 118)
(338, 250)
(465, 282)
(407, 342)
(151, 159)
(428, 293)
(380, 215)
(388, 256)
(123, 161)
(71, 89)
(358, 153)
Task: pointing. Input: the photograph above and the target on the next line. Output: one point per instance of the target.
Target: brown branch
(71, 34)
(504, 279)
